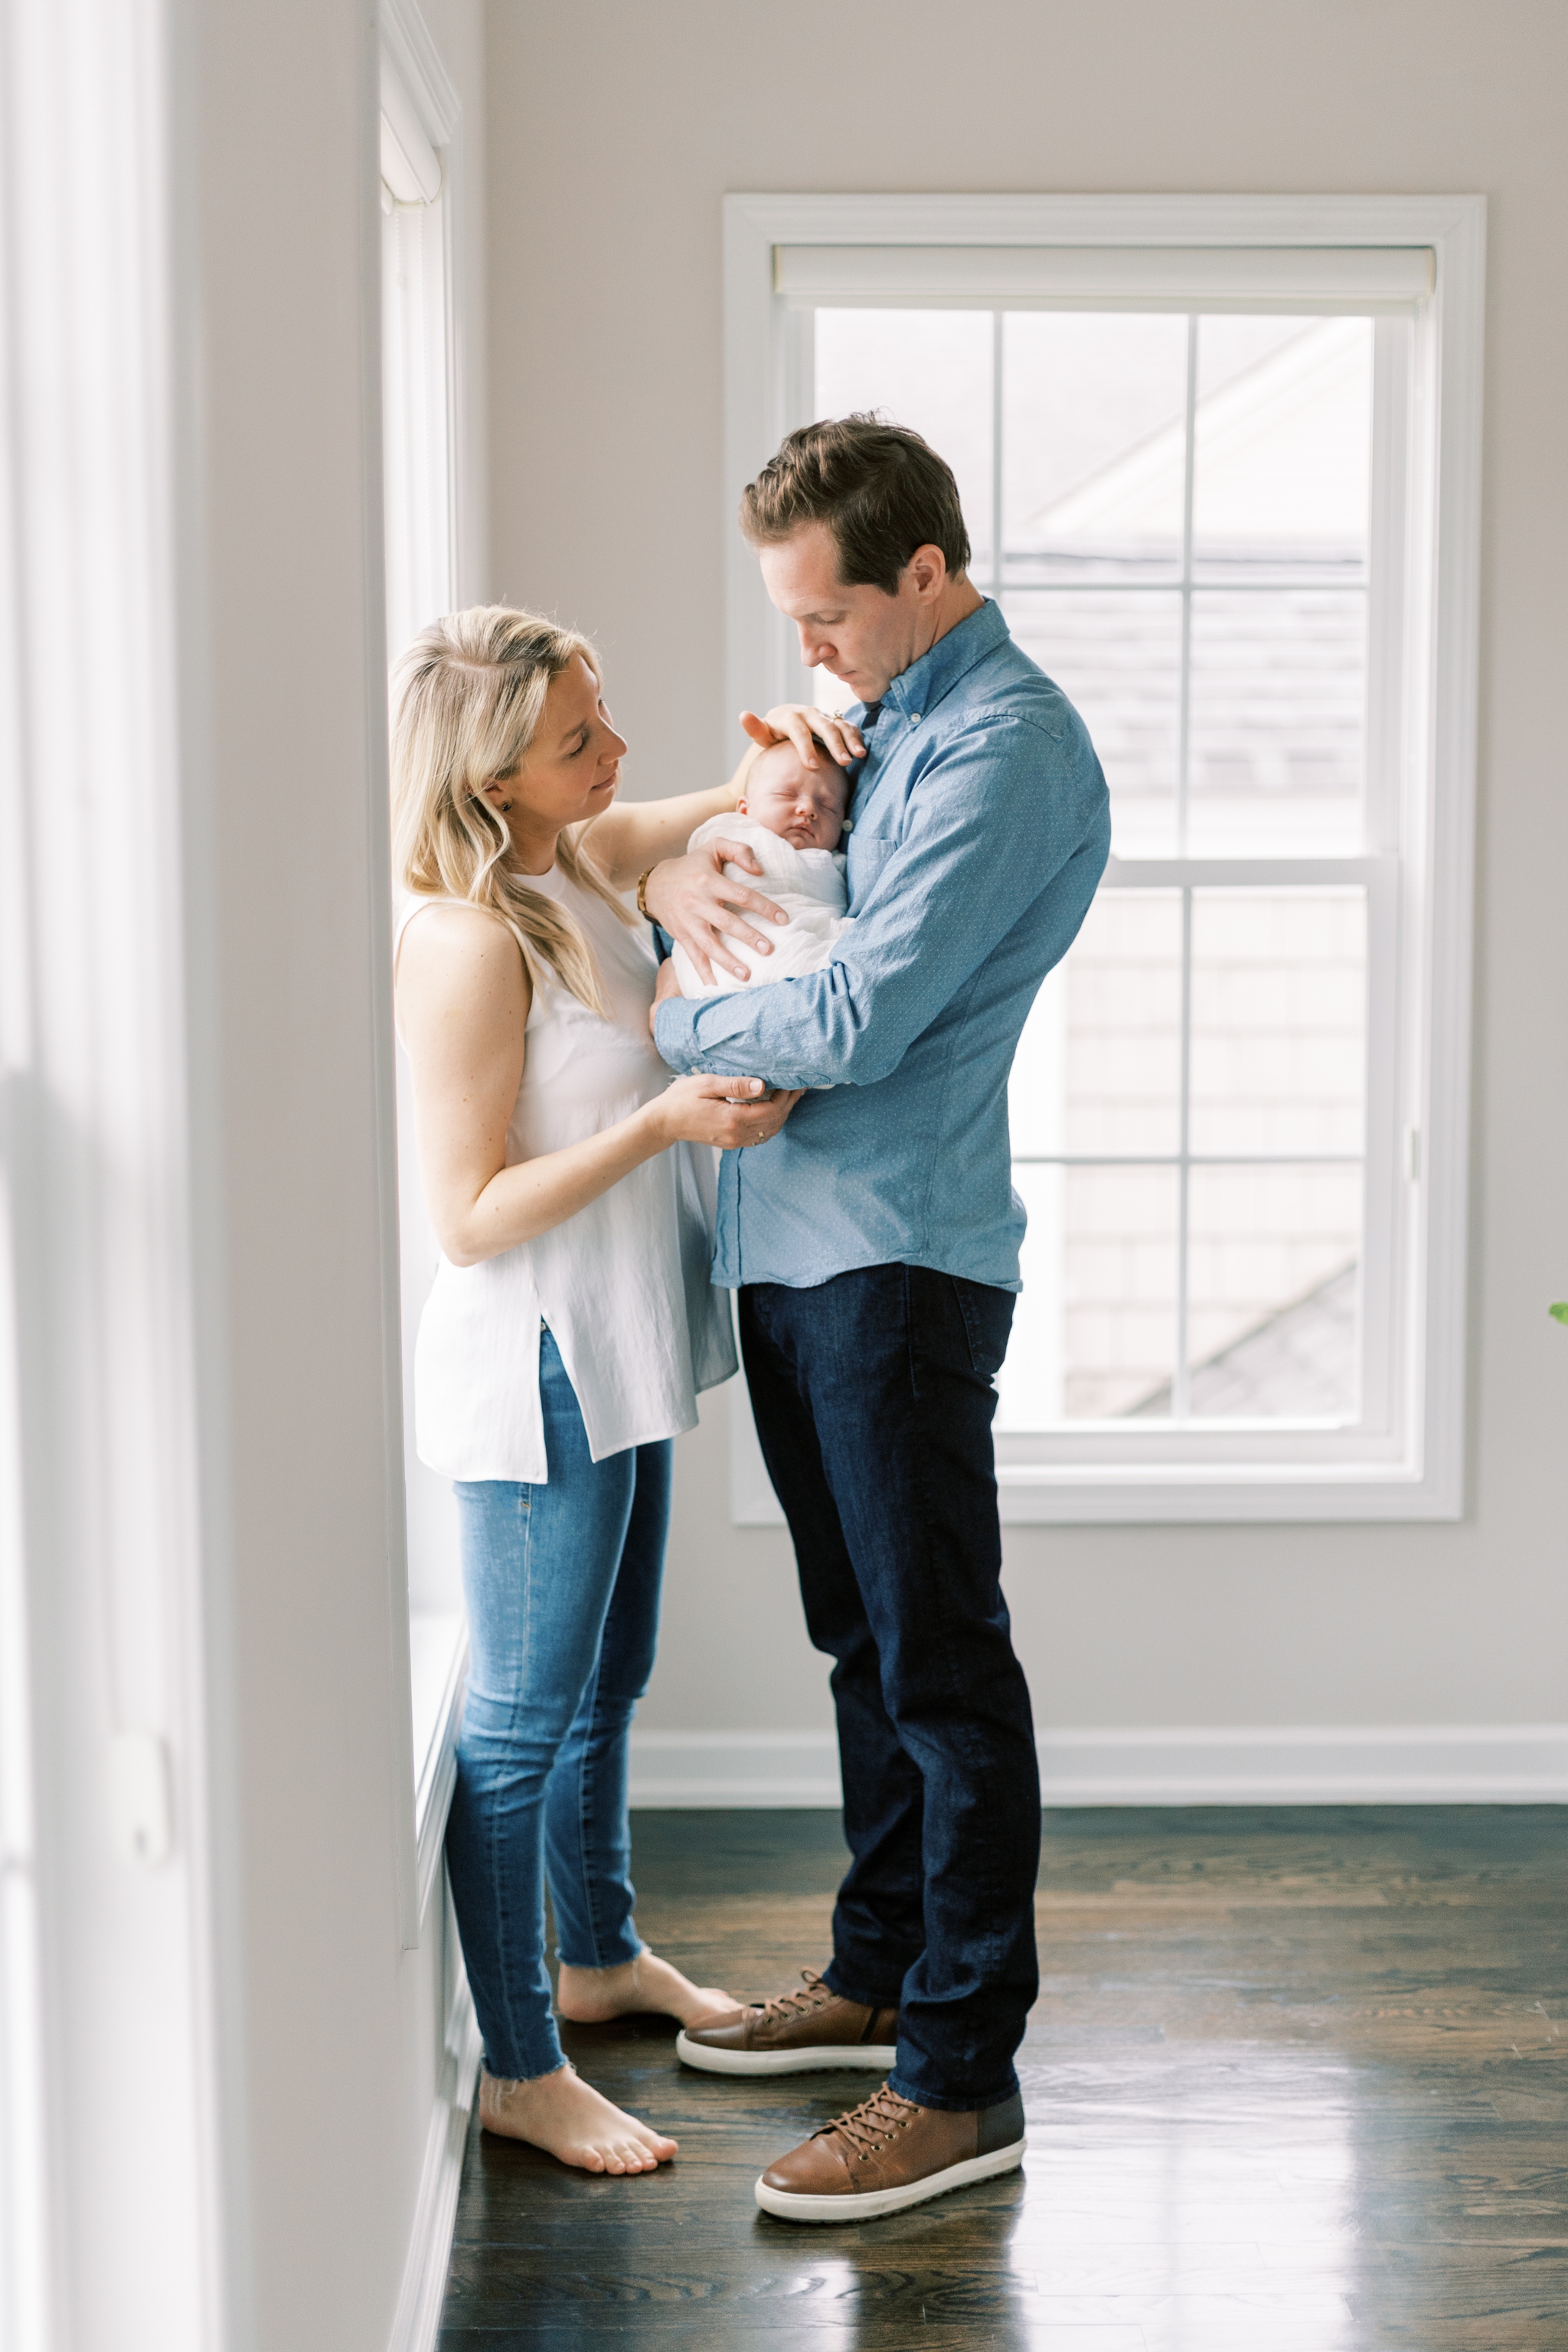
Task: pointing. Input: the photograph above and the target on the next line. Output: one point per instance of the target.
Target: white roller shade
(1362, 279)
(410, 167)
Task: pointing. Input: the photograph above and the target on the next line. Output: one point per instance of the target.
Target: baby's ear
(740, 808)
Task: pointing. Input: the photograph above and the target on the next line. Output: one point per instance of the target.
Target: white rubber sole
(878, 2201)
(878, 2057)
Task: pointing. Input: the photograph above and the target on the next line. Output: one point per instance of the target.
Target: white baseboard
(417, 2320)
(735, 1768)
(1444, 1764)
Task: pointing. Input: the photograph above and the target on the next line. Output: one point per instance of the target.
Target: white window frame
(420, 118)
(420, 139)
(1407, 1461)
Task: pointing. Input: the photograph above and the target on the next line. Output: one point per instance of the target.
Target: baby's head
(804, 806)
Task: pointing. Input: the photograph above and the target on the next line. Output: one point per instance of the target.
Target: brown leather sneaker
(799, 2033)
(888, 2153)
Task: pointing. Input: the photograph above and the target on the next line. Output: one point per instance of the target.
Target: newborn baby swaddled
(791, 818)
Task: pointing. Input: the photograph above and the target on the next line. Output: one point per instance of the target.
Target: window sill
(1033, 1495)
(1037, 1494)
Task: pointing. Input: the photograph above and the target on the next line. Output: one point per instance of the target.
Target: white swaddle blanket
(808, 884)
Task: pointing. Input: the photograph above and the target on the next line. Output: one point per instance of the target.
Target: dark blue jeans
(873, 1402)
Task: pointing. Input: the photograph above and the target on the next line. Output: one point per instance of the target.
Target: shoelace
(798, 2004)
(871, 2125)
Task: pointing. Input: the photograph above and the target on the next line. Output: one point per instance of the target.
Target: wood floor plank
(1296, 2078)
(1008, 2333)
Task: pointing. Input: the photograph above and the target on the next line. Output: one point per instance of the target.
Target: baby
(792, 817)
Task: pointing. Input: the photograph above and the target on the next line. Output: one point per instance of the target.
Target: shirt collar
(931, 679)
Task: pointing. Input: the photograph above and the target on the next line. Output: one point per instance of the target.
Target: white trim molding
(439, 1690)
(418, 2321)
(1422, 257)
(735, 1768)
(1434, 1764)
(409, 46)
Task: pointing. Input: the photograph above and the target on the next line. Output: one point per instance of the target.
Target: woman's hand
(706, 1111)
(697, 903)
(796, 723)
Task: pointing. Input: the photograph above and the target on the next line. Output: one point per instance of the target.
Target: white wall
(614, 132)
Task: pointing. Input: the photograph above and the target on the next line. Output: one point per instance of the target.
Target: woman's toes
(562, 2114)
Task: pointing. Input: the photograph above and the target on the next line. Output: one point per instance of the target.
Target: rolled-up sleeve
(1009, 817)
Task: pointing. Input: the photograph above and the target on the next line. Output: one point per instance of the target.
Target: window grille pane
(1093, 445)
(1282, 449)
(1279, 708)
(1098, 1066)
(1278, 1015)
(1272, 1279)
(1095, 1330)
(929, 369)
(1118, 658)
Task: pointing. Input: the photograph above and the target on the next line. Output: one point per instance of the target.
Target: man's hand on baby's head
(812, 731)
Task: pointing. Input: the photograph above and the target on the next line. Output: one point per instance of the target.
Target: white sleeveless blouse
(623, 1284)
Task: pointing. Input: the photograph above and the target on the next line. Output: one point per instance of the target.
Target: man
(875, 1248)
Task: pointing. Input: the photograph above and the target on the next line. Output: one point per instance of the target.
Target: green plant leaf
(1560, 1312)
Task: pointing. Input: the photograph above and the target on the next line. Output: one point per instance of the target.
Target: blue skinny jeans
(562, 1584)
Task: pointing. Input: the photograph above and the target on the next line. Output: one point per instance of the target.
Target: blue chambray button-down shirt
(980, 829)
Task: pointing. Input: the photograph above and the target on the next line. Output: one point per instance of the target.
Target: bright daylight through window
(1204, 484)
(1174, 514)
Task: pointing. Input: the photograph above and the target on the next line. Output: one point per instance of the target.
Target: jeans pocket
(987, 1315)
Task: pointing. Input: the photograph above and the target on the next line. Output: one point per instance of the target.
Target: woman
(570, 1324)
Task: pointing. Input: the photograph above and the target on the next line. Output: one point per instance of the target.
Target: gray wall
(613, 133)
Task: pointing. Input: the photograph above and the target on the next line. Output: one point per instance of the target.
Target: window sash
(1383, 1150)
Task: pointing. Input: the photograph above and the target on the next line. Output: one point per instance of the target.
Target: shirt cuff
(674, 1034)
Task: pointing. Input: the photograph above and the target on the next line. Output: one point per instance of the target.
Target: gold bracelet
(642, 899)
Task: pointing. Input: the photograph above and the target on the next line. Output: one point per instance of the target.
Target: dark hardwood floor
(1296, 2083)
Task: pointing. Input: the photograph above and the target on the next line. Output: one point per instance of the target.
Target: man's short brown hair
(880, 489)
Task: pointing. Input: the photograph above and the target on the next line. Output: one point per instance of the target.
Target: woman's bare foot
(564, 2116)
(648, 1984)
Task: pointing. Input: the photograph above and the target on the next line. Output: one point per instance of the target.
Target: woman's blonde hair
(468, 698)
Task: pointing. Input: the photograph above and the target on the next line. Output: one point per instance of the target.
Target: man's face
(863, 636)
